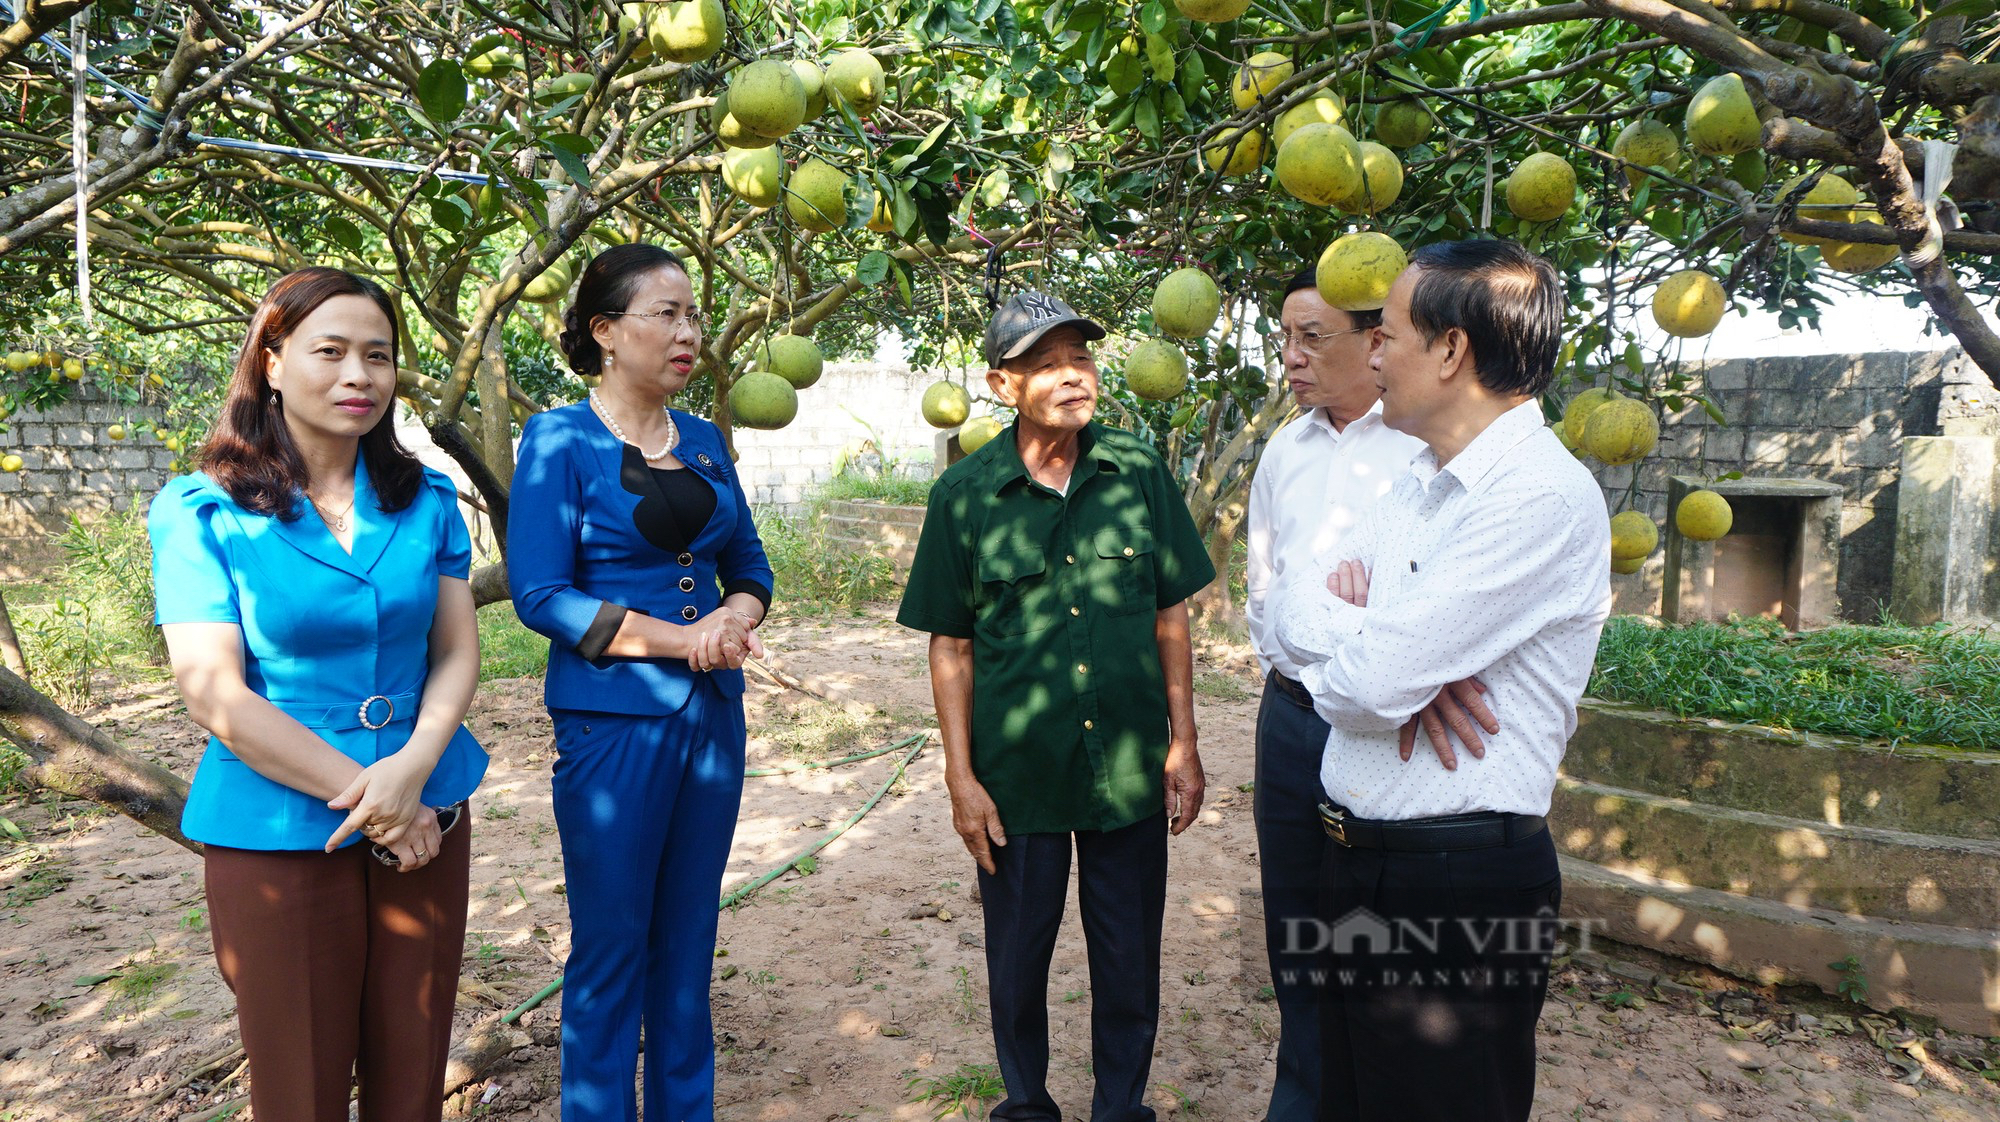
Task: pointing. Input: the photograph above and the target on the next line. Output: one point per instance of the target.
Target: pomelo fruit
(817, 196)
(1628, 566)
(1703, 516)
(1832, 199)
(1212, 11)
(814, 80)
(1403, 123)
(767, 97)
(1322, 108)
(1263, 72)
(115, 432)
(794, 358)
(1156, 370)
(756, 175)
(687, 30)
(1633, 535)
(977, 433)
(1721, 118)
(1578, 411)
(1321, 164)
(1859, 257)
(1647, 143)
(762, 400)
(857, 80)
(1355, 272)
(1238, 152)
(1750, 169)
(1621, 431)
(18, 361)
(1186, 303)
(551, 285)
(1689, 304)
(495, 62)
(882, 216)
(1383, 176)
(562, 87)
(1541, 188)
(10, 463)
(730, 131)
(946, 405)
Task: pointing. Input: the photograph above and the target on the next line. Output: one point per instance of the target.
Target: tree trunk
(70, 757)
(10, 643)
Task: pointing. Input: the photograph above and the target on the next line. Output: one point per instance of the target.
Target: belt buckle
(361, 713)
(1335, 823)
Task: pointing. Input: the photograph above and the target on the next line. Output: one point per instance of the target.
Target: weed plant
(1933, 685)
(814, 579)
(507, 649)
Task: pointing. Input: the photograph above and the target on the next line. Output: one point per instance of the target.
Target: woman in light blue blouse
(630, 545)
(311, 583)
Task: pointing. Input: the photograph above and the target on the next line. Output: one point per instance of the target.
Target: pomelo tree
(931, 154)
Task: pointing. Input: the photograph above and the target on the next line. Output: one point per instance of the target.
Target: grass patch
(1216, 685)
(965, 1092)
(850, 486)
(814, 731)
(507, 649)
(1933, 685)
(813, 579)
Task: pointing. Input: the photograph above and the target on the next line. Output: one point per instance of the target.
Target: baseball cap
(1024, 319)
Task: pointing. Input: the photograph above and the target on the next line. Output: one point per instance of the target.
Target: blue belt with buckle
(374, 712)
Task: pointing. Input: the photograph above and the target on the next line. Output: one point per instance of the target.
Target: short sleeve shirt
(1059, 594)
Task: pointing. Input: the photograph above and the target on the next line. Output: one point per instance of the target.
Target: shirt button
(687, 584)
(1075, 611)
(1128, 551)
(688, 612)
(686, 559)
(1088, 725)
(1082, 669)
(1071, 559)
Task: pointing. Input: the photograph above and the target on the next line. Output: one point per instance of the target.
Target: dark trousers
(1438, 965)
(1290, 741)
(343, 969)
(1122, 891)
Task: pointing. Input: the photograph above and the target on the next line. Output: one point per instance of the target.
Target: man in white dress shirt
(1489, 558)
(1316, 477)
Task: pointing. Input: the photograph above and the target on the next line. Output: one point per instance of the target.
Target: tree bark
(10, 643)
(38, 18)
(68, 756)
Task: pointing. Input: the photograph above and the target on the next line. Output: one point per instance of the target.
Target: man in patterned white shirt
(1489, 559)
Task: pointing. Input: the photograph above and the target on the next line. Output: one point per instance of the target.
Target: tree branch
(69, 756)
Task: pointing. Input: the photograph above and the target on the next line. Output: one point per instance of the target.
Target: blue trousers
(1290, 740)
(646, 807)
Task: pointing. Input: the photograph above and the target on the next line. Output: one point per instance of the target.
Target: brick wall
(72, 466)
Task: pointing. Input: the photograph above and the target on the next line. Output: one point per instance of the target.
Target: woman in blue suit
(311, 582)
(630, 545)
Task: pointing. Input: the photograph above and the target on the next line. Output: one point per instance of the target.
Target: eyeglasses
(448, 817)
(1310, 341)
(692, 317)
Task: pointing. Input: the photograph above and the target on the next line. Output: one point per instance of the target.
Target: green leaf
(904, 291)
(94, 979)
(441, 90)
(994, 188)
(344, 233)
(1146, 115)
(1124, 73)
(873, 268)
(1172, 107)
(1153, 17)
(1160, 56)
(451, 213)
(568, 150)
(8, 828)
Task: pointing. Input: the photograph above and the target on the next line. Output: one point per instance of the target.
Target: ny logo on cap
(1043, 306)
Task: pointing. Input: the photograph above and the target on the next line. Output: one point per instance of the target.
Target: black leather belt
(1292, 690)
(1483, 830)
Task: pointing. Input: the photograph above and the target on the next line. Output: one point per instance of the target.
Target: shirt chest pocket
(1125, 566)
(1015, 592)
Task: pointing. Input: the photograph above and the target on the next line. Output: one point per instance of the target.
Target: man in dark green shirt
(1053, 575)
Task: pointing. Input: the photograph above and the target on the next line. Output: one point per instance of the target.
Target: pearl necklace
(673, 430)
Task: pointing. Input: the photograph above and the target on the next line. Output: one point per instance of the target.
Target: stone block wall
(1836, 418)
(852, 404)
(70, 465)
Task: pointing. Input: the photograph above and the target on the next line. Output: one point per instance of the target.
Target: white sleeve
(1260, 566)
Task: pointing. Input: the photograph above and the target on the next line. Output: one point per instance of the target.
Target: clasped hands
(722, 639)
(385, 804)
(1455, 708)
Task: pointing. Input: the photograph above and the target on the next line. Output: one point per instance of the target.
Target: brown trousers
(344, 969)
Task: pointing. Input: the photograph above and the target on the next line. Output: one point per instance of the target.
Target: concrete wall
(852, 404)
(1837, 418)
(71, 466)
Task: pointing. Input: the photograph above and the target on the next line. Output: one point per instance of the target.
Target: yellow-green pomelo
(18, 361)
(562, 87)
(814, 80)
(1239, 152)
(1320, 164)
(687, 31)
(115, 432)
(494, 62)
(817, 197)
(1382, 174)
(1186, 304)
(946, 405)
(767, 97)
(10, 463)
(976, 433)
(794, 358)
(1541, 188)
(1322, 108)
(1627, 566)
(1703, 516)
(1721, 118)
(1263, 72)
(1403, 122)
(757, 175)
(72, 369)
(1750, 169)
(857, 80)
(1689, 304)
(730, 131)
(1633, 535)
(1858, 257)
(882, 216)
(1647, 143)
(1578, 411)
(1212, 11)
(1355, 272)
(762, 400)
(1621, 431)
(1832, 199)
(551, 284)
(1156, 370)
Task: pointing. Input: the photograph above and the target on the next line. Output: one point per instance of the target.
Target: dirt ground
(858, 992)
